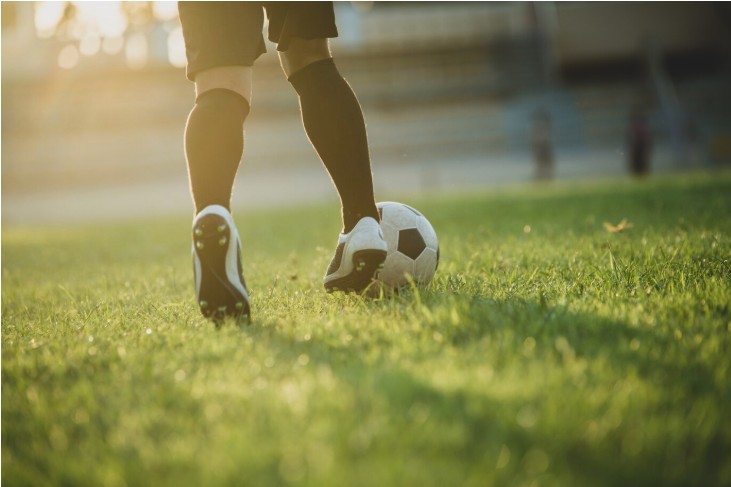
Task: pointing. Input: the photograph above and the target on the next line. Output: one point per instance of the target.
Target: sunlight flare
(68, 57)
(136, 51)
(46, 17)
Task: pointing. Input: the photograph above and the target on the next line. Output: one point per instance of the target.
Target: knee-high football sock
(334, 123)
(214, 144)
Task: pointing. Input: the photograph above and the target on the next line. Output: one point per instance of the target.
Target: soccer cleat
(358, 258)
(219, 281)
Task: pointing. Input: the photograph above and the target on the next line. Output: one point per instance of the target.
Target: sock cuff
(224, 95)
(310, 73)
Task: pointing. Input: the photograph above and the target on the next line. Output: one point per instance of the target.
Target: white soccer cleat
(358, 258)
(219, 281)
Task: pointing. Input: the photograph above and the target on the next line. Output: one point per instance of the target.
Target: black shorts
(230, 33)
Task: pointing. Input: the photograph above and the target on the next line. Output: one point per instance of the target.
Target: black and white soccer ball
(413, 248)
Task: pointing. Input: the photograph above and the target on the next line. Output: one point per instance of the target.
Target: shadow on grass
(624, 421)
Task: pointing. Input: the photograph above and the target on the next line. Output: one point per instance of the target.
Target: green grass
(547, 351)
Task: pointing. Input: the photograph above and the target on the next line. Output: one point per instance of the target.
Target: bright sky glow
(135, 51)
(68, 57)
(176, 48)
(104, 18)
(165, 11)
(103, 27)
(90, 44)
(113, 45)
(47, 15)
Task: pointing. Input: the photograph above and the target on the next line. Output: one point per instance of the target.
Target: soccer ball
(413, 248)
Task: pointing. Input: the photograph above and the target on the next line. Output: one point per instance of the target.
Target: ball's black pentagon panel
(411, 243)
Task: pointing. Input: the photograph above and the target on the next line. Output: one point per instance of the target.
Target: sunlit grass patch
(550, 349)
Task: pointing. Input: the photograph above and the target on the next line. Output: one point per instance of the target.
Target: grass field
(548, 351)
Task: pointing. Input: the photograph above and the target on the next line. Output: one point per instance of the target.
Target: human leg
(214, 144)
(214, 139)
(334, 123)
(219, 62)
(222, 40)
(333, 120)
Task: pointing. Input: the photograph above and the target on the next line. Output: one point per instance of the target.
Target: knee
(302, 52)
(217, 105)
(233, 78)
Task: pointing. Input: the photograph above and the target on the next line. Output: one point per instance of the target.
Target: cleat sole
(366, 265)
(218, 297)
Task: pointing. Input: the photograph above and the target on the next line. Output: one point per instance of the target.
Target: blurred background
(455, 94)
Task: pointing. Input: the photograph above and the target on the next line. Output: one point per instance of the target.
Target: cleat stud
(199, 245)
(239, 305)
(203, 304)
(221, 228)
(222, 241)
(198, 232)
(221, 309)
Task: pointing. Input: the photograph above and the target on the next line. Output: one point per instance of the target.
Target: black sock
(334, 124)
(214, 144)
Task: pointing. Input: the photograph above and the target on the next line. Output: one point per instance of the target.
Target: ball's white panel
(395, 268)
(425, 265)
(399, 216)
(390, 234)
